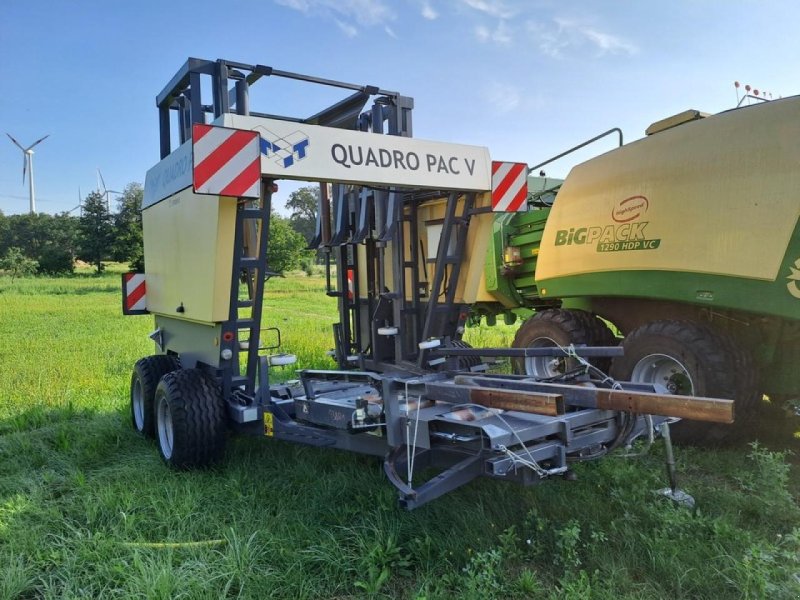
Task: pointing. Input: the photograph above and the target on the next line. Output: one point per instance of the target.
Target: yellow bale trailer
(406, 225)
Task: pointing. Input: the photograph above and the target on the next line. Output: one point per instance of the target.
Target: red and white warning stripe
(135, 297)
(227, 162)
(509, 186)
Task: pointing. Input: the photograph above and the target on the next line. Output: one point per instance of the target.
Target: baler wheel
(145, 377)
(549, 328)
(465, 362)
(687, 358)
(599, 335)
(190, 419)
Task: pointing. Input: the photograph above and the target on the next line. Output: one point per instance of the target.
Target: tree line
(51, 244)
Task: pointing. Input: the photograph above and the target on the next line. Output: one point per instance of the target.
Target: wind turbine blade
(103, 181)
(15, 142)
(38, 141)
(24, 167)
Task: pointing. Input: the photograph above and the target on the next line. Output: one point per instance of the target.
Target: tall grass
(87, 509)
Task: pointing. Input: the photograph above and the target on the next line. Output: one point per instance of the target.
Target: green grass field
(87, 509)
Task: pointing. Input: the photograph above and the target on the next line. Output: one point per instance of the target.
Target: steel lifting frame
(390, 112)
(183, 94)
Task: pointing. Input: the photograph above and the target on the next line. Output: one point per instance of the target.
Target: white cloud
(493, 8)
(428, 12)
(499, 35)
(568, 35)
(548, 39)
(503, 97)
(301, 5)
(609, 43)
(366, 13)
(494, 21)
(347, 29)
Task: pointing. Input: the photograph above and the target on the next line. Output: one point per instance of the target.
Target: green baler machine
(686, 243)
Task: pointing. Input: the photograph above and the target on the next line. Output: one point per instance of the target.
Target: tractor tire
(688, 359)
(549, 328)
(465, 363)
(147, 372)
(748, 405)
(190, 420)
(599, 335)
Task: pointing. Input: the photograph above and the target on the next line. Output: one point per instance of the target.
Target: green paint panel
(497, 284)
(712, 290)
(517, 286)
(531, 237)
(523, 282)
(780, 298)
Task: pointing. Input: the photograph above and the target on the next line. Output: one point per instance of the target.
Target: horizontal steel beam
(587, 351)
(696, 408)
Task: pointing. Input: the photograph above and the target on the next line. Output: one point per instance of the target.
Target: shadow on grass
(37, 417)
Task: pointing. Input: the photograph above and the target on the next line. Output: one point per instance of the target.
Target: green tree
(57, 254)
(16, 263)
(28, 232)
(96, 231)
(127, 244)
(285, 247)
(303, 204)
(5, 234)
(51, 240)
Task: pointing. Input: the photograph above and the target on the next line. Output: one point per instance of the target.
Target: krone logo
(794, 277)
(630, 209)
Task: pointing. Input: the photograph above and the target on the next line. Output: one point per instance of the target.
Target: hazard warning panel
(227, 162)
(509, 186)
(134, 300)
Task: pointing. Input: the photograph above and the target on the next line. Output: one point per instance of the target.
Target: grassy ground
(88, 510)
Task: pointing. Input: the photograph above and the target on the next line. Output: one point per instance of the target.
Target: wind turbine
(27, 165)
(106, 192)
(80, 204)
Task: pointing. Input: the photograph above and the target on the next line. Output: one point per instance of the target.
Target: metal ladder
(249, 261)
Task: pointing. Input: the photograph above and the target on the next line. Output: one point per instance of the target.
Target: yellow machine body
(188, 250)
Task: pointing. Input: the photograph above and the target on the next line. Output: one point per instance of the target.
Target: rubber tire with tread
(147, 372)
(599, 335)
(709, 359)
(195, 405)
(465, 363)
(563, 326)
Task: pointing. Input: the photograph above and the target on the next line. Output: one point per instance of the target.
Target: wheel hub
(137, 398)
(165, 431)
(664, 370)
(545, 366)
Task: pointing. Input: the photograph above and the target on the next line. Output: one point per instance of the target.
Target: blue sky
(525, 78)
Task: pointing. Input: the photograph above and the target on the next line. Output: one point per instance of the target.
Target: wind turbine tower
(106, 192)
(27, 165)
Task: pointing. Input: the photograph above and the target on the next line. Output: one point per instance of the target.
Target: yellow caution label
(269, 430)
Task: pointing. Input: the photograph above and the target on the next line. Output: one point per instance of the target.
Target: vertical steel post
(242, 97)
